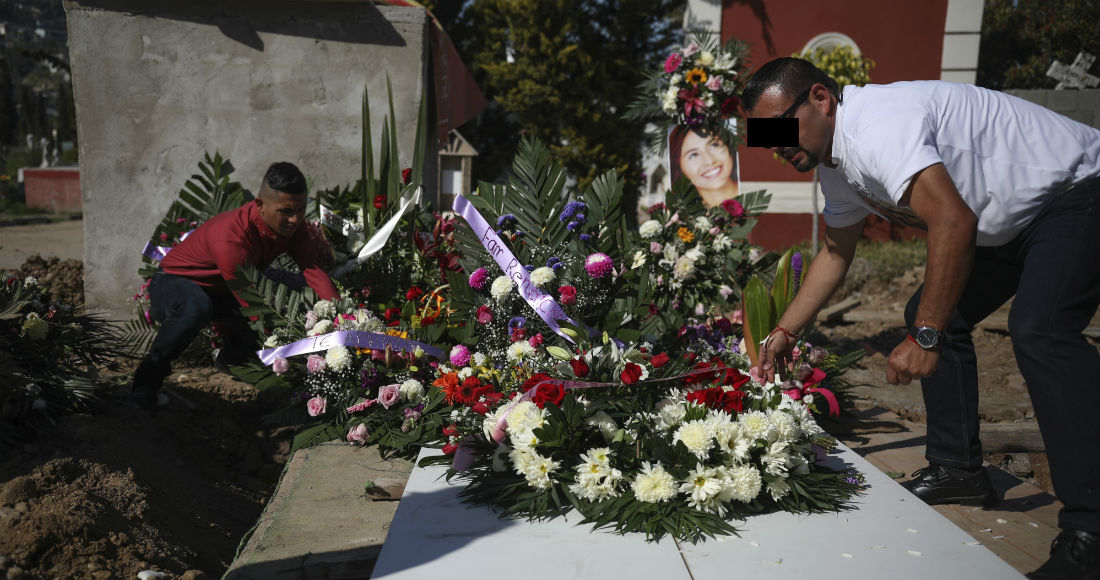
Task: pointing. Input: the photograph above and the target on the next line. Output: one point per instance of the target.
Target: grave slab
(888, 534)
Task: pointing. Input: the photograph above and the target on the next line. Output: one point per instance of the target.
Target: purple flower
(554, 263)
(507, 221)
(598, 265)
(369, 377)
(460, 355)
(584, 237)
(478, 278)
(517, 322)
(570, 210)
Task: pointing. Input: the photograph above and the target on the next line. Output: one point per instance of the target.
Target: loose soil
(121, 490)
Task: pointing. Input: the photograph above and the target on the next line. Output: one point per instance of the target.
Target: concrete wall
(158, 83)
(1082, 106)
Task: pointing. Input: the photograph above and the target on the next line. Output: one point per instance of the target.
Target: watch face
(927, 337)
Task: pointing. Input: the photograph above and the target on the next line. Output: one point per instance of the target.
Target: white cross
(1076, 75)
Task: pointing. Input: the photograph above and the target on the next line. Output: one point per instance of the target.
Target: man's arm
(307, 251)
(952, 231)
(826, 273)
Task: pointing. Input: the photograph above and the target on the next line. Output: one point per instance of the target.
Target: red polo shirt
(211, 254)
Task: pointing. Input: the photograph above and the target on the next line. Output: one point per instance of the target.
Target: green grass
(11, 209)
(892, 259)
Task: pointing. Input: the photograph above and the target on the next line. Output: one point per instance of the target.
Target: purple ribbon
(542, 303)
(353, 338)
(158, 253)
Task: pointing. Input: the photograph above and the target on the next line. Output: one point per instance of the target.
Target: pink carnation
(673, 62)
(478, 278)
(734, 208)
(358, 434)
(535, 341)
(316, 406)
(280, 366)
(598, 265)
(460, 355)
(484, 315)
(315, 363)
(389, 394)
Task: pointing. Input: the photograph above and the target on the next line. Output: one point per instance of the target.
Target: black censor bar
(771, 132)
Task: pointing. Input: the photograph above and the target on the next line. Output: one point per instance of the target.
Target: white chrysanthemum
(596, 489)
(272, 341)
(604, 423)
(755, 425)
(325, 309)
(465, 373)
(597, 455)
(521, 458)
(524, 415)
(777, 459)
(501, 288)
(538, 470)
(745, 482)
(721, 242)
(705, 58)
(668, 101)
(479, 359)
(338, 357)
(708, 488)
(519, 350)
(500, 458)
(670, 414)
(702, 223)
(653, 484)
(322, 327)
(697, 436)
(522, 438)
(650, 229)
(786, 426)
(639, 260)
(411, 389)
(683, 268)
(542, 276)
(778, 489)
(732, 439)
(675, 79)
(695, 253)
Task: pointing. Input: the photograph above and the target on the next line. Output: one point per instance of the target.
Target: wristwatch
(927, 337)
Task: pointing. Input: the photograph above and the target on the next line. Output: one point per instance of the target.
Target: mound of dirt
(63, 279)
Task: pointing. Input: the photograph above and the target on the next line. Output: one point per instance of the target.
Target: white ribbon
(380, 237)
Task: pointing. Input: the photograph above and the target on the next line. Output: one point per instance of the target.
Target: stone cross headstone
(1076, 75)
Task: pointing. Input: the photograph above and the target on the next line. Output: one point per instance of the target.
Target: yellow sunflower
(696, 76)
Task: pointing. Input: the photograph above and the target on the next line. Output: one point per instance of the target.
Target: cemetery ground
(120, 490)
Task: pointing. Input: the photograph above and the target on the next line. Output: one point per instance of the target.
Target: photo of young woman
(702, 157)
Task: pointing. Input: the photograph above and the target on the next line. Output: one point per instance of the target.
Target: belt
(1085, 184)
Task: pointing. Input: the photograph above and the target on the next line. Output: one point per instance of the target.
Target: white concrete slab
(889, 535)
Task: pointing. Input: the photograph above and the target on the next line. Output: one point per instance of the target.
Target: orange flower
(685, 235)
(696, 76)
(450, 385)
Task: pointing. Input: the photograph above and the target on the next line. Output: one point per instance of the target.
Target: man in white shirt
(1009, 193)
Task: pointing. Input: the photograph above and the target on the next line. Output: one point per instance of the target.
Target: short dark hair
(791, 75)
(285, 177)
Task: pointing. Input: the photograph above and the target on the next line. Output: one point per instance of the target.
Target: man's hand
(909, 361)
(775, 354)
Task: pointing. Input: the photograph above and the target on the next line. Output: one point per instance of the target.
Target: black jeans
(183, 308)
(1053, 269)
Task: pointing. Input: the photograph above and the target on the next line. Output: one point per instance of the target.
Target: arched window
(829, 40)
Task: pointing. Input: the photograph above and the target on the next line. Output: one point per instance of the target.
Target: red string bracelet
(786, 332)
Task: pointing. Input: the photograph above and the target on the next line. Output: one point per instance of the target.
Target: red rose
(406, 175)
(735, 378)
(392, 313)
(659, 361)
(413, 293)
(480, 408)
(484, 315)
(580, 367)
(534, 380)
(730, 107)
(492, 396)
(450, 431)
(449, 448)
(731, 402)
(379, 201)
(631, 374)
(548, 393)
(427, 320)
(568, 295)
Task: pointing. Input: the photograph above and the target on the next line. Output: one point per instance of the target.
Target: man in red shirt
(190, 290)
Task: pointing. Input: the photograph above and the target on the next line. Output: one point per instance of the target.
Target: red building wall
(56, 188)
(905, 39)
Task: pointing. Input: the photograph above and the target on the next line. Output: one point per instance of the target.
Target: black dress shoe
(937, 485)
(1073, 554)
